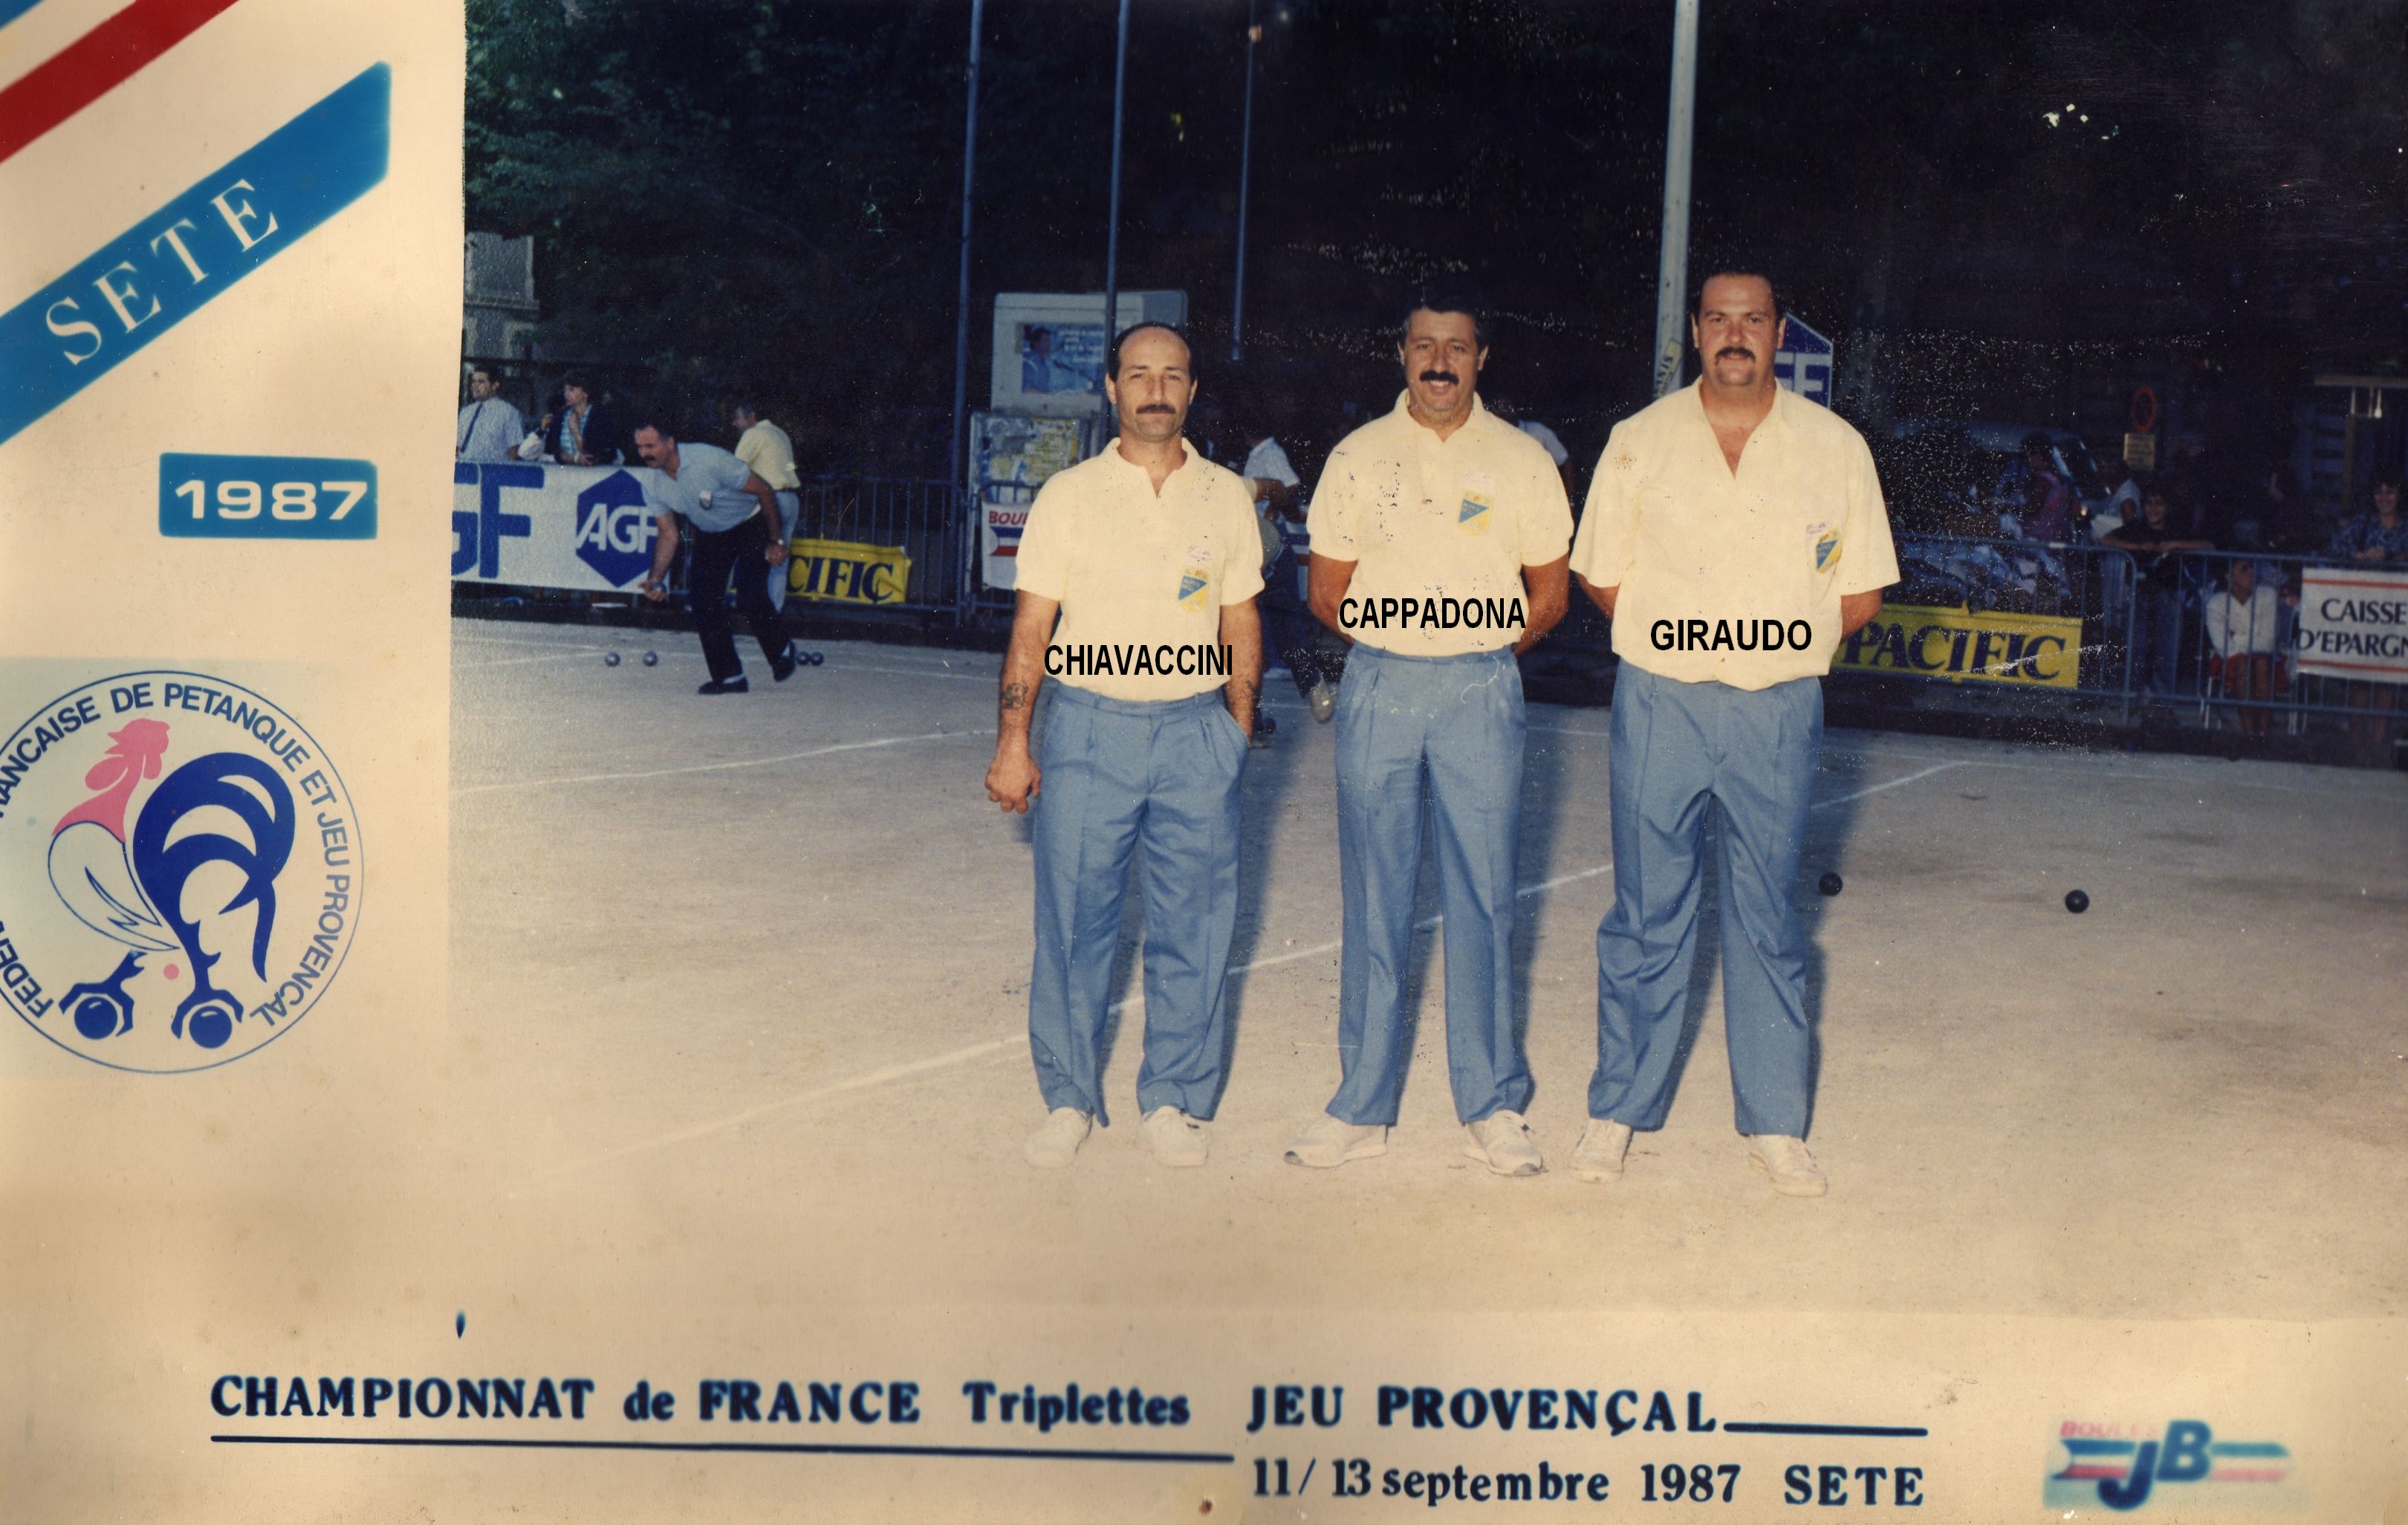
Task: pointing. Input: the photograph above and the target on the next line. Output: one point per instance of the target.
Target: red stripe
(2248, 1474)
(96, 63)
(2324, 582)
(2083, 1472)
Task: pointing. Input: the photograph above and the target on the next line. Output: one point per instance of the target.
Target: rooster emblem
(131, 888)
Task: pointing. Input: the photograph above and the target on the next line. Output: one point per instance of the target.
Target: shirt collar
(1187, 455)
(1480, 418)
(1783, 405)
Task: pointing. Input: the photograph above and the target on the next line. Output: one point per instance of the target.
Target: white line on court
(570, 655)
(719, 767)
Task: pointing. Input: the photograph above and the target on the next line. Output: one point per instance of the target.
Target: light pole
(1672, 274)
(1112, 240)
(962, 319)
(1245, 185)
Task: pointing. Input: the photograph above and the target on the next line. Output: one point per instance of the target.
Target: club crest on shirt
(1472, 519)
(1195, 582)
(1826, 541)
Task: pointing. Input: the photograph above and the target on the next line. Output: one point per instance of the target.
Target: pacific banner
(841, 571)
(2028, 650)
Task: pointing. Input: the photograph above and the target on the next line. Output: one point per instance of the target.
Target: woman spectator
(579, 432)
(2245, 622)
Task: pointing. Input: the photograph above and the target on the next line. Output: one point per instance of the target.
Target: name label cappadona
(1430, 614)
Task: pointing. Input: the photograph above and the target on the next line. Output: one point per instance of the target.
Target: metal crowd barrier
(924, 515)
(2222, 693)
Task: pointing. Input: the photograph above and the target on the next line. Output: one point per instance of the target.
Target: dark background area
(2008, 210)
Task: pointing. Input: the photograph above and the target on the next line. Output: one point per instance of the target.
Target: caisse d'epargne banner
(2353, 624)
(2029, 650)
(550, 526)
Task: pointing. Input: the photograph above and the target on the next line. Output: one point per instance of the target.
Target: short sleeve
(1868, 559)
(1334, 521)
(1042, 565)
(1546, 521)
(1275, 465)
(1241, 574)
(1607, 543)
(749, 448)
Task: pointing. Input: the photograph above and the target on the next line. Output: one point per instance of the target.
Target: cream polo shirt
(1140, 578)
(766, 450)
(1707, 556)
(1442, 524)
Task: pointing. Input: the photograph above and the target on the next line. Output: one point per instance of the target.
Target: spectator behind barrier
(2156, 546)
(2380, 534)
(2244, 623)
(582, 432)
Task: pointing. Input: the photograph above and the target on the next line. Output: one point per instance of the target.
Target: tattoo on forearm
(1016, 697)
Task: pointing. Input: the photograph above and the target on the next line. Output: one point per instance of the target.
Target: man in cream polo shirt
(1734, 534)
(1440, 535)
(1149, 555)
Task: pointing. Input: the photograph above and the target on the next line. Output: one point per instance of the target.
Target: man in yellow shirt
(1734, 534)
(767, 450)
(1439, 549)
(1149, 556)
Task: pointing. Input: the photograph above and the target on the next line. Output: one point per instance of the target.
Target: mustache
(1439, 376)
(1156, 408)
(1739, 351)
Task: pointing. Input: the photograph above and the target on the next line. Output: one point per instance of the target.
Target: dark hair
(651, 419)
(2387, 477)
(491, 373)
(1446, 293)
(1741, 269)
(1036, 328)
(1113, 361)
(577, 379)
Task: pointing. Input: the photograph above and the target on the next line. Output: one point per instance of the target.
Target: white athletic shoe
(1324, 701)
(1054, 1144)
(1602, 1146)
(1177, 1139)
(1327, 1144)
(1501, 1141)
(1784, 1160)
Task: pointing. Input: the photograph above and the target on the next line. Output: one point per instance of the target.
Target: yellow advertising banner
(2032, 650)
(844, 572)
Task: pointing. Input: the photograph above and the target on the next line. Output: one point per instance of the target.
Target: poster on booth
(452, 1070)
(1010, 457)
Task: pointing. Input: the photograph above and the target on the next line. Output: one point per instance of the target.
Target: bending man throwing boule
(1149, 556)
(1439, 549)
(1734, 534)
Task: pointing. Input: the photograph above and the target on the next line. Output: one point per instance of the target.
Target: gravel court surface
(752, 972)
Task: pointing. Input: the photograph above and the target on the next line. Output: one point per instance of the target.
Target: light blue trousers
(1679, 750)
(1116, 773)
(1443, 735)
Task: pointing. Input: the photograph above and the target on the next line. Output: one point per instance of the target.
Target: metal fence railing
(922, 515)
(2236, 655)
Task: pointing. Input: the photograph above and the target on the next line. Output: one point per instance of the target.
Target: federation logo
(1472, 517)
(1826, 547)
(180, 872)
(2124, 1465)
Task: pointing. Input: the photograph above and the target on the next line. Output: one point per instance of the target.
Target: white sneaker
(1327, 1143)
(1602, 1146)
(1784, 1160)
(1501, 1141)
(1052, 1144)
(1324, 701)
(1177, 1139)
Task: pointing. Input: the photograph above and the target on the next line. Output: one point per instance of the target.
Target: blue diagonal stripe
(2246, 1447)
(2096, 1448)
(11, 10)
(173, 263)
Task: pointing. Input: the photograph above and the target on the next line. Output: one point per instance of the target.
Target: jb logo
(2125, 1469)
(181, 876)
